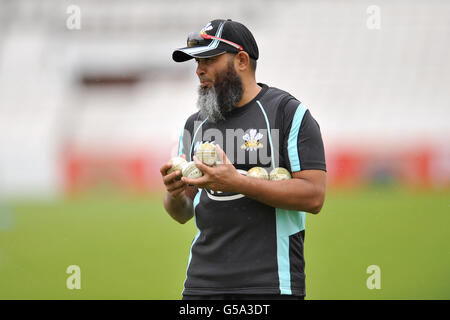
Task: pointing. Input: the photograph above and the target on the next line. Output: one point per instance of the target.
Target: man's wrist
(175, 202)
(240, 183)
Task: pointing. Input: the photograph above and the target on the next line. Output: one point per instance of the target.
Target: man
(251, 231)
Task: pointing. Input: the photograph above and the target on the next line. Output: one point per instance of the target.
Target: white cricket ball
(279, 174)
(177, 164)
(206, 153)
(191, 171)
(258, 172)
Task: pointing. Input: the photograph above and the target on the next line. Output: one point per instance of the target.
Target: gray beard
(209, 106)
(220, 99)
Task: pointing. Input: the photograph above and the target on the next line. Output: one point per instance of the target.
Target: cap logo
(206, 28)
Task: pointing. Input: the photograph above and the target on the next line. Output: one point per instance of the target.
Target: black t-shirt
(242, 245)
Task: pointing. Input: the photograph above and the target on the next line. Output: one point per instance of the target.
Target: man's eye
(205, 60)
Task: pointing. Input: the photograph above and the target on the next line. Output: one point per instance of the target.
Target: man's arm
(179, 208)
(305, 192)
(179, 198)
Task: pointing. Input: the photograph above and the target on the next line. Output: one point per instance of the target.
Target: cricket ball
(206, 153)
(279, 174)
(258, 172)
(177, 164)
(191, 171)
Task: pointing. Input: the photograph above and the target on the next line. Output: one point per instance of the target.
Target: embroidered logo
(252, 140)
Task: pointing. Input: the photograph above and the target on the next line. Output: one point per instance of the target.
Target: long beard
(217, 101)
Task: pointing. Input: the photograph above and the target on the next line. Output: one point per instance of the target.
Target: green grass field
(129, 248)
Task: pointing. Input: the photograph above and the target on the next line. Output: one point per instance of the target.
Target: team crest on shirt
(252, 140)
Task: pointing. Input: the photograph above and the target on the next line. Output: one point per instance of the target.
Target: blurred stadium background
(89, 114)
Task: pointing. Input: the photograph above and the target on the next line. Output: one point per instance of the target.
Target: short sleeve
(185, 138)
(302, 146)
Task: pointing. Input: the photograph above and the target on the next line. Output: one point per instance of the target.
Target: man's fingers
(194, 182)
(170, 177)
(176, 186)
(203, 167)
(164, 168)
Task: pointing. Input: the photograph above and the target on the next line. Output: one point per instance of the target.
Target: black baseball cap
(217, 37)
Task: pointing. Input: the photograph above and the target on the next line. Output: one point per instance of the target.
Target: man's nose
(201, 70)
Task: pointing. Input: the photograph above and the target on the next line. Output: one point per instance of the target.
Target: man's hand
(176, 188)
(223, 177)
(179, 196)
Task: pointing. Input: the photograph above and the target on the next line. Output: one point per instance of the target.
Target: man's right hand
(178, 201)
(175, 187)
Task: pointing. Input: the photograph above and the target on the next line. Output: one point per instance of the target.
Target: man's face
(220, 86)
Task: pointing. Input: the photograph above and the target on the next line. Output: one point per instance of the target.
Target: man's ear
(242, 61)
